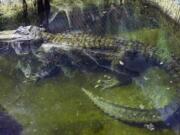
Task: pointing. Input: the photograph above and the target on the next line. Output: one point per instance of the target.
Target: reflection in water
(67, 110)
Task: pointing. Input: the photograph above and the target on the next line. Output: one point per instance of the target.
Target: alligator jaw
(132, 115)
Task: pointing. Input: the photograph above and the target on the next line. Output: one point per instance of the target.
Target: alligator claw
(106, 83)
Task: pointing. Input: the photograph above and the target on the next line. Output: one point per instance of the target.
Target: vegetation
(23, 13)
(34, 12)
(12, 16)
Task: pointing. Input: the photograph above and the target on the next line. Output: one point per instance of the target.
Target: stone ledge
(10, 42)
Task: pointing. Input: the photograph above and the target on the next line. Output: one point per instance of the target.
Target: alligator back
(114, 49)
(83, 40)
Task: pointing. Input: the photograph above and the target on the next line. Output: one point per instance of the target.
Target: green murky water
(57, 106)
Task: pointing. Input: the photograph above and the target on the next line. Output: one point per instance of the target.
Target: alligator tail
(133, 115)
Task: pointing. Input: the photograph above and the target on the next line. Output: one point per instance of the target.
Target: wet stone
(58, 22)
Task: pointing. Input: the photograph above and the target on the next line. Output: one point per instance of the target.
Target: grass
(12, 17)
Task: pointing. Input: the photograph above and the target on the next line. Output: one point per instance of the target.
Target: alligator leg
(120, 78)
(109, 82)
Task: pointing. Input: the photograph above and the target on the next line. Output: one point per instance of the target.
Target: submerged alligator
(115, 50)
(112, 52)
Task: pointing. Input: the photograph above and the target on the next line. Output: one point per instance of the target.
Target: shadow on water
(9, 126)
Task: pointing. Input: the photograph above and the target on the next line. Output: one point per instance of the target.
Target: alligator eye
(121, 63)
(161, 63)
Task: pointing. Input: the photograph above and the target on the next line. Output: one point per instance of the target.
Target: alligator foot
(107, 82)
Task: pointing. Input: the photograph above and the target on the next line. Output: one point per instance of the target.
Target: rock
(34, 70)
(28, 33)
(47, 71)
(22, 41)
(94, 20)
(58, 22)
(77, 18)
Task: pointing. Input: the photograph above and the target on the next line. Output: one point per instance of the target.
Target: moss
(147, 36)
(163, 47)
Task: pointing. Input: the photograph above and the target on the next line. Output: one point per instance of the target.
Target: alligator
(113, 50)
